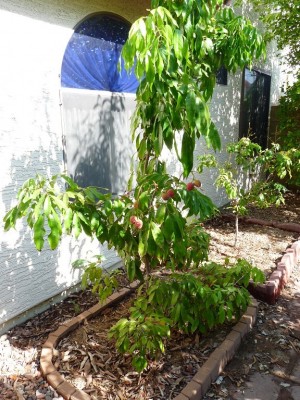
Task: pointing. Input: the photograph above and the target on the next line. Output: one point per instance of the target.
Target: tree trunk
(236, 229)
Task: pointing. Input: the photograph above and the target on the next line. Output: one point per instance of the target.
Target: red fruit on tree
(133, 219)
(138, 223)
(171, 193)
(190, 186)
(165, 196)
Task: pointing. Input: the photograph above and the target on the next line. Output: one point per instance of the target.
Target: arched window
(93, 53)
(98, 100)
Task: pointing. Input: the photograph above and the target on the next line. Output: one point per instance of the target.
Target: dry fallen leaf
(92, 362)
(82, 364)
(87, 368)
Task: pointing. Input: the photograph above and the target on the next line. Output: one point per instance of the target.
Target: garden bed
(102, 370)
(86, 365)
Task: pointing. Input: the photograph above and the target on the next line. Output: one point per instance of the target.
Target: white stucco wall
(33, 37)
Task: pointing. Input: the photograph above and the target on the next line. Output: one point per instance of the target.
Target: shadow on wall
(29, 277)
(225, 109)
(97, 134)
(225, 113)
(98, 156)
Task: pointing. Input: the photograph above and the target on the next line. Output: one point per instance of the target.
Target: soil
(88, 360)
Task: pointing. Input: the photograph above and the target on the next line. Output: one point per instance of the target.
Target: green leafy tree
(281, 22)
(250, 175)
(176, 51)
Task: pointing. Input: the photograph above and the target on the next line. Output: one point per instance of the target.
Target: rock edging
(194, 390)
(285, 226)
(271, 289)
(217, 361)
(53, 377)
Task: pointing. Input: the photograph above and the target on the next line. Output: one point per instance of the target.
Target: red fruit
(136, 204)
(171, 193)
(197, 183)
(165, 196)
(138, 223)
(133, 219)
(190, 186)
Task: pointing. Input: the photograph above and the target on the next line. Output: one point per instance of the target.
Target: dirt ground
(88, 360)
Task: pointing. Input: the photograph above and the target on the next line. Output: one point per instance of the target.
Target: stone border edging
(285, 226)
(219, 358)
(53, 377)
(271, 289)
(194, 390)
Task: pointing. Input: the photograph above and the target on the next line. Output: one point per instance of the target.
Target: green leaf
(180, 223)
(130, 267)
(187, 152)
(39, 205)
(142, 27)
(221, 315)
(168, 228)
(150, 71)
(68, 219)
(157, 234)
(176, 312)
(143, 200)
(39, 232)
(70, 182)
(76, 225)
(213, 138)
(178, 44)
(191, 110)
(158, 142)
(56, 230)
(142, 148)
(61, 205)
(139, 363)
(174, 298)
(10, 218)
(142, 248)
(160, 213)
(168, 135)
(160, 64)
(47, 206)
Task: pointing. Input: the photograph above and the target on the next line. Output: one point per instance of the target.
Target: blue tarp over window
(92, 55)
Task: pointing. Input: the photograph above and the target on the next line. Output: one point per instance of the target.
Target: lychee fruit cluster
(190, 185)
(169, 194)
(138, 223)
